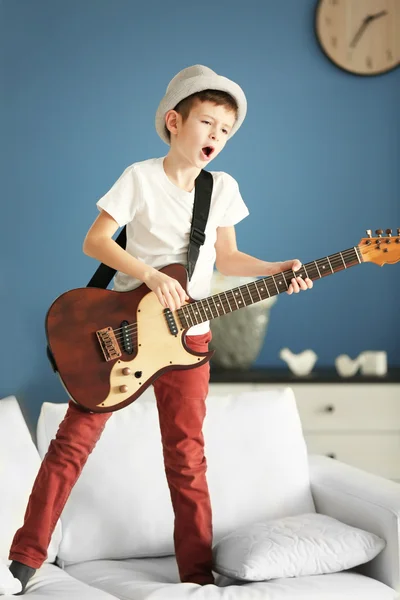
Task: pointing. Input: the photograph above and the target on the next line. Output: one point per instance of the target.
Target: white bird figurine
(345, 366)
(300, 364)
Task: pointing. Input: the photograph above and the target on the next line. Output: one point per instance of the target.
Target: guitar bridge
(108, 343)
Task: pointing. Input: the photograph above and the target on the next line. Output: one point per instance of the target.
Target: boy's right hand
(167, 289)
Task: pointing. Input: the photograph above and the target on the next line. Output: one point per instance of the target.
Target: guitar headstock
(380, 250)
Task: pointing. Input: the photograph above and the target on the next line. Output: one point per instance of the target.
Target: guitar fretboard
(263, 288)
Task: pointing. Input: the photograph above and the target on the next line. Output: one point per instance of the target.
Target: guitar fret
(286, 275)
(221, 304)
(211, 310)
(192, 316)
(204, 309)
(271, 291)
(343, 260)
(237, 303)
(198, 312)
(357, 254)
(258, 291)
(234, 297)
(282, 277)
(189, 311)
(323, 266)
(243, 300)
(265, 288)
(216, 306)
(195, 313)
(329, 264)
(273, 279)
(227, 300)
(201, 311)
(317, 274)
(237, 299)
(240, 296)
(250, 294)
(312, 271)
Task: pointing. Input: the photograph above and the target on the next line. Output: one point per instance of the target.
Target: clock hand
(364, 25)
(379, 14)
(361, 30)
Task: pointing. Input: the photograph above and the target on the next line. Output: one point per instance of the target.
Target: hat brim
(197, 84)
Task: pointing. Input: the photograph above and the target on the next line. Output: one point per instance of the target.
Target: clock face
(360, 36)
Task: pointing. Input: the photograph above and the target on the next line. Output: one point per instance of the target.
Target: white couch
(114, 538)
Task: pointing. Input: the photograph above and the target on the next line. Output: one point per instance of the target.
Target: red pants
(180, 398)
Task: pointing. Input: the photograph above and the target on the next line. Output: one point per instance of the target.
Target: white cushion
(158, 579)
(120, 506)
(310, 544)
(19, 464)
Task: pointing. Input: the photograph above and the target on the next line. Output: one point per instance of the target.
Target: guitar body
(100, 382)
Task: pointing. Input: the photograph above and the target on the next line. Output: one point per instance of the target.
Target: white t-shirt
(158, 217)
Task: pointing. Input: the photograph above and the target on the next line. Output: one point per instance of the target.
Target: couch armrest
(362, 500)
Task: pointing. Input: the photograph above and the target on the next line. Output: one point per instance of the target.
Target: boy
(154, 198)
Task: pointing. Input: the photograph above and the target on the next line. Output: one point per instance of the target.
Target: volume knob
(126, 371)
(123, 388)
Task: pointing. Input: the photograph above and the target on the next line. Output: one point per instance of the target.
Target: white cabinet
(357, 423)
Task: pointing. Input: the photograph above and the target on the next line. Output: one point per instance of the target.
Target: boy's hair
(216, 96)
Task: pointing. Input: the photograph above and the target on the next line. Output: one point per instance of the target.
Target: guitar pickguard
(158, 350)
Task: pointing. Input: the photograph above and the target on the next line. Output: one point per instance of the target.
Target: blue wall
(317, 160)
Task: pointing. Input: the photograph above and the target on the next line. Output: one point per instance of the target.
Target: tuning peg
(398, 231)
(369, 232)
(389, 232)
(379, 232)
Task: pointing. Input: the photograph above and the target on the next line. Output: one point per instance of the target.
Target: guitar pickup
(170, 321)
(127, 341)
(108, 343)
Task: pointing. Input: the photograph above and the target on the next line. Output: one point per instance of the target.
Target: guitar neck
(264, 288)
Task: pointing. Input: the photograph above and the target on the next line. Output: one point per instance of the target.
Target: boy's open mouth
(207, 151)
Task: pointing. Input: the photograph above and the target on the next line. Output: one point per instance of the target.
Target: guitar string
(191, 319)
(130, 329)
(336, 262)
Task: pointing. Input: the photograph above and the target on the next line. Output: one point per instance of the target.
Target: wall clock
(360, 36)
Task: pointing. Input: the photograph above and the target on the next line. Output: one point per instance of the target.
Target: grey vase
(238, 337)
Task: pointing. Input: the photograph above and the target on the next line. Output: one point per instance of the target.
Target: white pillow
(308, 544)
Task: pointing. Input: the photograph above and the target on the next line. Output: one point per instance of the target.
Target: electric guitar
(109, 346)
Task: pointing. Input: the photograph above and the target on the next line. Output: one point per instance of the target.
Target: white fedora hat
(196, 79)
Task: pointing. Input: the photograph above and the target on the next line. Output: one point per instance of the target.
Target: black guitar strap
(202, 199)
(201, 208)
